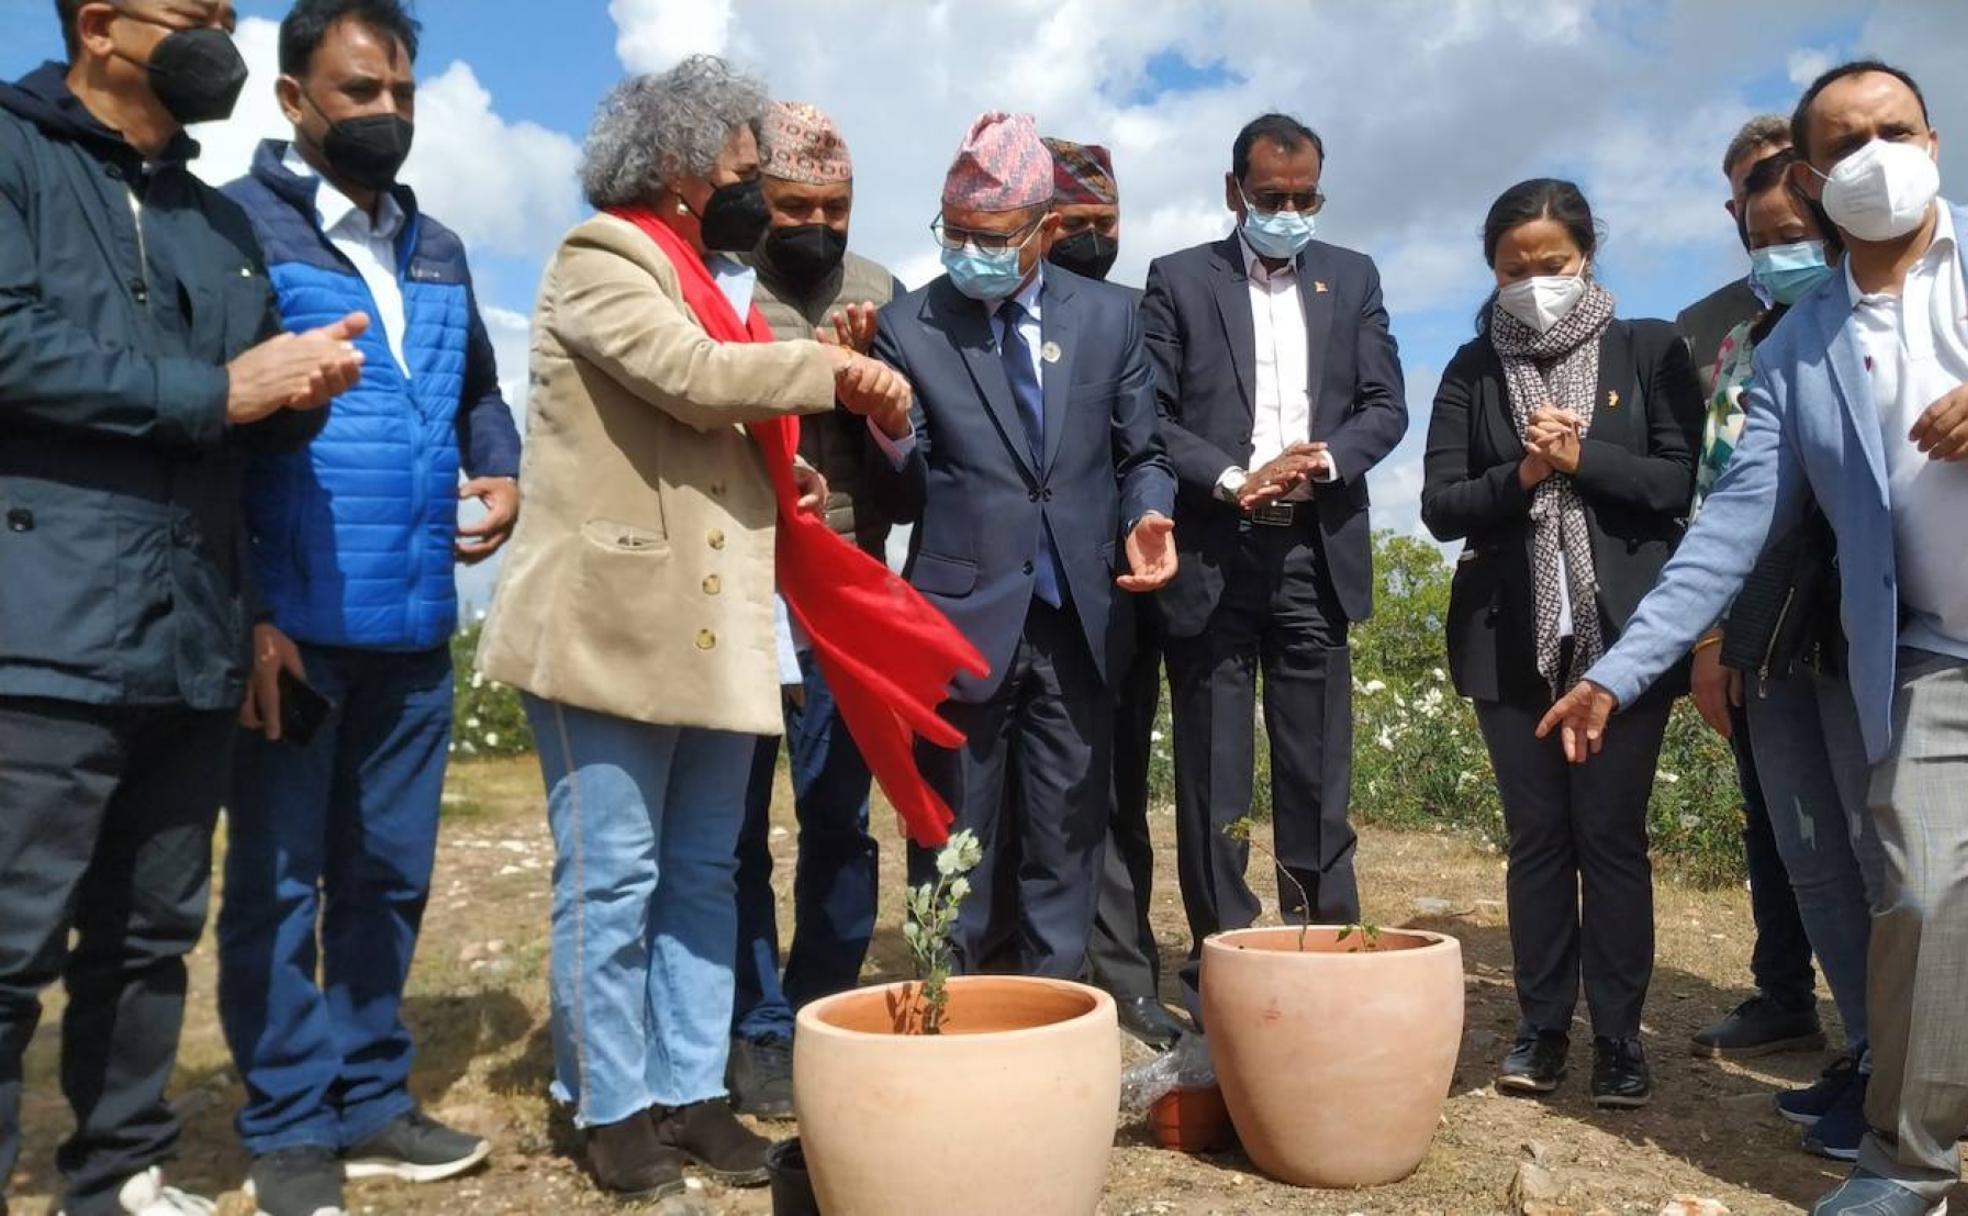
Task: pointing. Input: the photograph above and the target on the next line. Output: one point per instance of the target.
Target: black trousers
(1033, 780)
(1780, 961)
(106, 818)
(1121, 955)
(1279, 614)
(1580, 889)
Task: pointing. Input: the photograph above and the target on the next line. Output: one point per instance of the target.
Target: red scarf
(886, 653)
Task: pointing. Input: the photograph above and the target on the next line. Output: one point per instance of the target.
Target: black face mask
(1086, 253)
(367, 151)
(196, 75)
(735, 218)
(805, 255)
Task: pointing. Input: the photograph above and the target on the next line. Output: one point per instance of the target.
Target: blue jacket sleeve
(1147, 479)
(902, 489)
(488, 441)
(1761, 494)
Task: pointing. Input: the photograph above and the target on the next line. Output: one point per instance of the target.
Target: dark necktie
(1030, 396)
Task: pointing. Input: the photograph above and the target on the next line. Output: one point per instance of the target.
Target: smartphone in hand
(303, 711)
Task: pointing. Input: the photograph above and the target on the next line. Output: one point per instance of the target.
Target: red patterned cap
(1081, 173)
(1003, 165)
(802, 144)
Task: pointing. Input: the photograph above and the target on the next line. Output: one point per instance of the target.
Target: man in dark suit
(1279, 389)
(1122, 956)
(1031, 466)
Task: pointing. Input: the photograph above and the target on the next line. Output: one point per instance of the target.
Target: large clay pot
(1011, 1109)
(1334, 1060)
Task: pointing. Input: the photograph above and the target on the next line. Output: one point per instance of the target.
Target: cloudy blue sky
(1429, 108)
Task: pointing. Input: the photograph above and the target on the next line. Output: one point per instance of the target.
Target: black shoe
(1535, 1065)
(1620, 1078)
(629, 1161)
(1760, 1027)
(760, 1076)
(1806, 1106)
(709, 1134)
(415, 1148)
(1149, 1021)
(296, 1182)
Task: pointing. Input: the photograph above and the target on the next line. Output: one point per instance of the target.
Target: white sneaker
(146, 1195)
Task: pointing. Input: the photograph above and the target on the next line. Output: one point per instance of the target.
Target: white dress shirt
(1915, 346)
(369, 245)
(1281, 397)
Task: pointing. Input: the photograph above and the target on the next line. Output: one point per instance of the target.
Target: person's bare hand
(813, 492)
(853, 327)
(1553, 435)
(1150, 554)
(1580, 717)
(1716, 690)
(295, 371)
(1942, 430)
(1533, 471)
(481, 540)
(1288, 471)
(877, 391)
(273, 653)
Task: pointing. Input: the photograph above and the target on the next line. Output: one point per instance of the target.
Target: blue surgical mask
(986, 275)
(1276, 234)
(1787, 273)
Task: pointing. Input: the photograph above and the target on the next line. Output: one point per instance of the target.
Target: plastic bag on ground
(1185, 1066)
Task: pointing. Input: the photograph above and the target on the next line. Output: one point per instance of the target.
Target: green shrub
(488, 720)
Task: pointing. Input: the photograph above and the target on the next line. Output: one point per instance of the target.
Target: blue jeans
(338, 839)
(1811, 760)
(645, 914)
(834, 878)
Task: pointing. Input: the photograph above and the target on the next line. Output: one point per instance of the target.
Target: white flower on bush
(1385, 739)
(472, 723)
(492, 739)
(1372, 687)
(1669, 778)
(1690, 822)
(478, 679)
(1430, 704)
(1441, 677)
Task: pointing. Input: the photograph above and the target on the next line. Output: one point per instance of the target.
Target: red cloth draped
(886, 653)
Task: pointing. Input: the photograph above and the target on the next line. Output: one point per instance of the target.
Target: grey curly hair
(654, 129)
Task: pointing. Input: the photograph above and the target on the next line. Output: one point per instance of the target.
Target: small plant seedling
(1244, 831)
(1369, 934)
(933, 909)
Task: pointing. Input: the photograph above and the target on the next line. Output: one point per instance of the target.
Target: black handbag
(1786, 614)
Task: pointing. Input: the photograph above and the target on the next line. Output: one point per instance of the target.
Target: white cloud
(655, 34)
(1808, 63)
(505, 187)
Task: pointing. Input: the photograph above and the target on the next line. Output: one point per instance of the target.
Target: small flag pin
(1049, 352)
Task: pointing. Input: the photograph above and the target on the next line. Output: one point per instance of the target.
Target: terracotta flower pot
(1010, 1110)
(1191, 1120)
(1334, 1061)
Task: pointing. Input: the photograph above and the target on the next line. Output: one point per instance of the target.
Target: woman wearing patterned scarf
(1561, 452)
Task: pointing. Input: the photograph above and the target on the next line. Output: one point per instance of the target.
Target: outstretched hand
(1150, 554)
(1580, 716)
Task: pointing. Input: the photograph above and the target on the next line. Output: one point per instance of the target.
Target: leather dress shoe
(1148, 1020)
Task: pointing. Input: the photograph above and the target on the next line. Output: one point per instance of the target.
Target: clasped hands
(862, 385)
(1292, 468)
(1551, 445)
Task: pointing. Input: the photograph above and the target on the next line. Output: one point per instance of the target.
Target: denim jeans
(1780, 957)
(834, 877)
(645, 912)
(328, 867)
(1812, 763)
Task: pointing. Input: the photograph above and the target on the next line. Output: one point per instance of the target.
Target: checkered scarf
(1559, 368)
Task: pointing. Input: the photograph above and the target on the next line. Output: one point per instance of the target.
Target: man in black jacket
(1279, 389)
(140, 356)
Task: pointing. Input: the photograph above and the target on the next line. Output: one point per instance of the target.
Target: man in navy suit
(1279, 389)
(1033, 473)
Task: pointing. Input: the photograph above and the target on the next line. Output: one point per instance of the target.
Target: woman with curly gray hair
(635, 611)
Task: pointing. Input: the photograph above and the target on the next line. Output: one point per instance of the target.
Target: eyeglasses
(986, 242)
(1305, 202)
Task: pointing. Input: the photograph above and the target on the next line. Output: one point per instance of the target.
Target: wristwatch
(1230, 484)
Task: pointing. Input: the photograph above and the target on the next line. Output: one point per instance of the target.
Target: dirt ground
(477, 1004)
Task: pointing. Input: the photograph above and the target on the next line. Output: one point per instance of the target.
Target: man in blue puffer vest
(355, 542)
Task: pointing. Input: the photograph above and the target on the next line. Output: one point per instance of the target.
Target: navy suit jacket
(1197, 316)
(972, 489)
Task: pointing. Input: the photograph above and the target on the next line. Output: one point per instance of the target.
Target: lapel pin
(1612, 399)
(1049, 352)
(1318, 287)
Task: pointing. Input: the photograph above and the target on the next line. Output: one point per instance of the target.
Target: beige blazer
(639, 582)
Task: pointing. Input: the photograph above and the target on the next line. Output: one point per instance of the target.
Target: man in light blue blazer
(1860, 400)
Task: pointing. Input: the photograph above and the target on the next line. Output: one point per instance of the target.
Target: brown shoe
(709, 1134)
(628, 1160)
